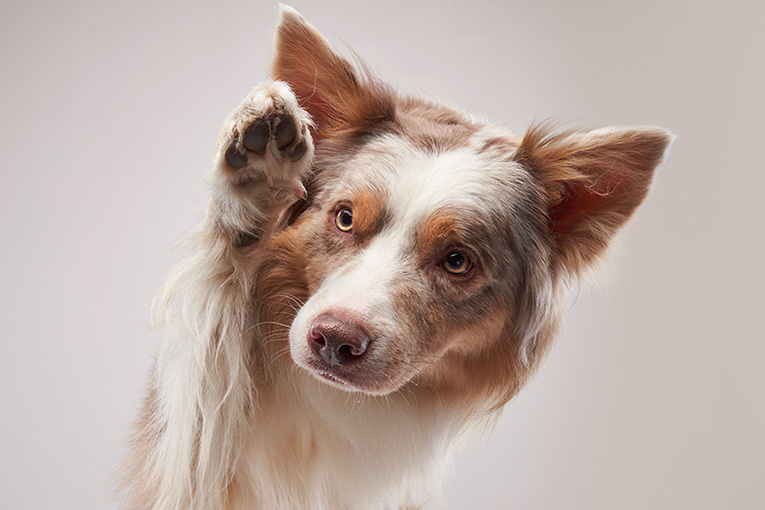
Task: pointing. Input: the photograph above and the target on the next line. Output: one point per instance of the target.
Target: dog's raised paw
(267, 137)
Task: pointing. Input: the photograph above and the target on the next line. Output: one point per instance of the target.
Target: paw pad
(256, 137)
(277, 133)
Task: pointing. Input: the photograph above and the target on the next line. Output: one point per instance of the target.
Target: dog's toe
(298, 151)
(256, 137)
(234, 157)
(285, 132)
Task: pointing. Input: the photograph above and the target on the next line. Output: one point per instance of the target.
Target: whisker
(280, 353)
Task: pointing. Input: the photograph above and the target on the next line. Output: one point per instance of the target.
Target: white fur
(353, 451)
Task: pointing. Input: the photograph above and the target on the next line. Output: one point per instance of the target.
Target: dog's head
(434, 247)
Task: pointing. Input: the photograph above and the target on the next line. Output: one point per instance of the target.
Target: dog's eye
(457, 263)
(344, 220)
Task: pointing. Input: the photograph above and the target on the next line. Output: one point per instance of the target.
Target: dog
(377, 275)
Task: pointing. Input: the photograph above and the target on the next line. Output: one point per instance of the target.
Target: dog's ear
(594, 182)
(335, 93)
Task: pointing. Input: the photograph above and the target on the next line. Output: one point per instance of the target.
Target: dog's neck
(314, 446)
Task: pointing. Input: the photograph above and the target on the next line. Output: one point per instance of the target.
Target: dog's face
(433, 247)
(415, 253)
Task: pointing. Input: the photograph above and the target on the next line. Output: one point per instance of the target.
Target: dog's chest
(316, 448)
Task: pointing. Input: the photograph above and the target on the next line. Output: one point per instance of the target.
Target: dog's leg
(208, 370)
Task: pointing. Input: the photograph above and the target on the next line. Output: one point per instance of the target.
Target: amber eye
(344, 220)
(456, 263)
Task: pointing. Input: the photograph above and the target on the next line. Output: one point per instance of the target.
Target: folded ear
(594, 182)
(332, 90)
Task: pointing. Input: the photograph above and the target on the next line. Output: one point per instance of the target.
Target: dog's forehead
(415, 182)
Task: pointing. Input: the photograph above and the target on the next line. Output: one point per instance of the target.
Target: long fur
(240, 412)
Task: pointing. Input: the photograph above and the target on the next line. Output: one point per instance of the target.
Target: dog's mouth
(331, 378)
(344, 378)
(369, 376)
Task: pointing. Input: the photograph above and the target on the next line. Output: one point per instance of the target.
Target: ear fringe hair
(542, 143)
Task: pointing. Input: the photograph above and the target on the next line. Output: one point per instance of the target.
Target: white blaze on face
(457, 179)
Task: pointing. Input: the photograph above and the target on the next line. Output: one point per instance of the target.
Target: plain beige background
(654, 396)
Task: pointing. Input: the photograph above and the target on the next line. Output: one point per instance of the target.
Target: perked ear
(336, 95)
(594, 182)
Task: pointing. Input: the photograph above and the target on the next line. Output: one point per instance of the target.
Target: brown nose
(337, 341)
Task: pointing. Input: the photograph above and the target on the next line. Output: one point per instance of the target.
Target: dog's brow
(371, 214)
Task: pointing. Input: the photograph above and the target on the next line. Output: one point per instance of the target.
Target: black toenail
(298, 151)
(284, 133)
(256, 137)
(235, 158)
